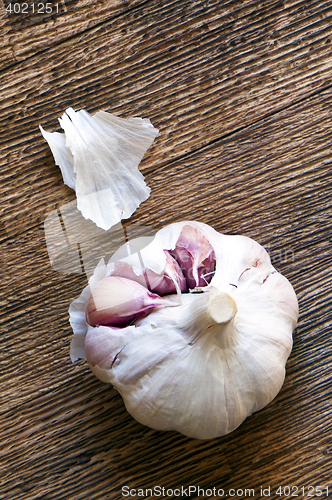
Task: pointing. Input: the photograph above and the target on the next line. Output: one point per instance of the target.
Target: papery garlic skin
(99, 156)
(202, 366)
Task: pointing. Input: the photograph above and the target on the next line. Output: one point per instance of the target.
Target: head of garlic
(198, 338)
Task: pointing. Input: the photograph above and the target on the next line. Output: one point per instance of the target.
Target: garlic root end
(221, 308)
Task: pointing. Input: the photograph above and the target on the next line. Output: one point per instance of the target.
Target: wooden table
(242, 94)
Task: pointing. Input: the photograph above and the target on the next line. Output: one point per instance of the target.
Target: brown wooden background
(242, 94)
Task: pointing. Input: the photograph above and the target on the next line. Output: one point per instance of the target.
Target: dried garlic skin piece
(62, 155)
(99, 156)
(204, 364)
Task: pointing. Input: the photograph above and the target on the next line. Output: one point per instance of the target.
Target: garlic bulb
(99, 156)
(208, 353)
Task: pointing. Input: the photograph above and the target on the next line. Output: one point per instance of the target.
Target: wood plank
(65, 435)
(31, 27)
(221, 68)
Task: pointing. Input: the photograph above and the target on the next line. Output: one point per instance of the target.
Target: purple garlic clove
(195, 256)
(173, 279)
(103, 344)
(169, 281)
(206, 270)
(117, 301)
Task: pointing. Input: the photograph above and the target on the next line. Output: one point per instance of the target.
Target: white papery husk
(174, 373)
(99, 156)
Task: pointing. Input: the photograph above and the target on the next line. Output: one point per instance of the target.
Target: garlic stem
(221, 308)
(197, 313)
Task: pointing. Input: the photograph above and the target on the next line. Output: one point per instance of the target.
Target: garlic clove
(102, 346)
(195, 256)
(117, 301)
(173, 278)
(170, 280)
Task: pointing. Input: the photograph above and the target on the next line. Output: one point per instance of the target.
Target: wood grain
(241, 92)
(31, 29)
(194, 92)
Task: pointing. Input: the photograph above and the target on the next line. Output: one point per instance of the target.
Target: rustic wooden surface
(242, 94)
